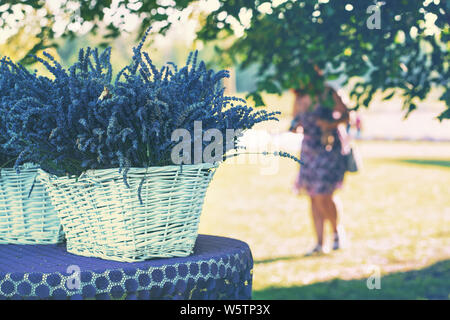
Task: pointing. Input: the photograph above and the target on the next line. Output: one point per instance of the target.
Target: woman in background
(324, 144)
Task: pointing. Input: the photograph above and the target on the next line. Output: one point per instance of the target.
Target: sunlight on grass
(397, 217)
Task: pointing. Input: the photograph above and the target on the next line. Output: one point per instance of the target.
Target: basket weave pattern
(104, 218)
(26, 218)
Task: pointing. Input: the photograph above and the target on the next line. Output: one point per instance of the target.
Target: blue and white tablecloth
(220, 268)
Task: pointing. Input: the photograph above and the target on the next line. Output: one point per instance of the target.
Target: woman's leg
(332, 211)
(339, 209)
(318, 219)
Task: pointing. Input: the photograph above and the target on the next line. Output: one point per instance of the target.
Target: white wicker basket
(26, 213)
(104, 218)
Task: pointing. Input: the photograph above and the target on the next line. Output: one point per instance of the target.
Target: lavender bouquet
(83, 119)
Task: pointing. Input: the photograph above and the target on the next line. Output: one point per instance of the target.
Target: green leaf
(389, 96)
(257, 99)
(444, 115)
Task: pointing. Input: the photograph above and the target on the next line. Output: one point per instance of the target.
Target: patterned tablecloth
(219, 268)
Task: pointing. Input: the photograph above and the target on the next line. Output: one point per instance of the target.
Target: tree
(396, 46)
(66, 18)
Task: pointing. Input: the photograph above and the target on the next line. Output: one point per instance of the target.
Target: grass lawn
(397, 218)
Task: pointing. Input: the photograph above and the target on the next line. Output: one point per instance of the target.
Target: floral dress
(324, 165)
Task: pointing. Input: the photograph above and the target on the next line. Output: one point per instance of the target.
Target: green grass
(426, 162)
(396, 214)
(428, 283)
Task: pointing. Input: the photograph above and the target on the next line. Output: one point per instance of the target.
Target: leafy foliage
(287, 39)
(408, 54)
(89, 12)
(83, 119)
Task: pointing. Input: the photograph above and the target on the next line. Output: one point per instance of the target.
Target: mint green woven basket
(26, 213)
(104, 218)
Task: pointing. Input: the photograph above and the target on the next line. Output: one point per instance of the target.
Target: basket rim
(159, 168)
(23, 167)
(137, 170)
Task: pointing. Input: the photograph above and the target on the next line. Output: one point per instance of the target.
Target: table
(219, 268)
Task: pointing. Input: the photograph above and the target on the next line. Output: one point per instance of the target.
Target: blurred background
(396, 210)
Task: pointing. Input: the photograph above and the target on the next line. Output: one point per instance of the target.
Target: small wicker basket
(26, 213)
(104, 218)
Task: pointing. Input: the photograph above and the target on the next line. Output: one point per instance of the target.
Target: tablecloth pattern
(220, 268)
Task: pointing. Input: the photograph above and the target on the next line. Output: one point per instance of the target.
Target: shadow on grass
(432, 282)
(425, 162)
(270, 260)
(288, 258)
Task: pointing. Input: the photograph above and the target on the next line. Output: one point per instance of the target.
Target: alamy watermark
(209, 146)
(374, 20)
(374, 280)
(73, 282)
